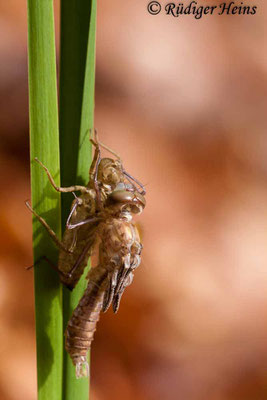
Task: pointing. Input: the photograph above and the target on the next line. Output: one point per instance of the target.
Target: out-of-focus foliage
(183, 102)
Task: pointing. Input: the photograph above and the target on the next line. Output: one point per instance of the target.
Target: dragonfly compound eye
(134, 202)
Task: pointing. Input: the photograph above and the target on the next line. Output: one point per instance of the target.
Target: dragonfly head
(125, 202)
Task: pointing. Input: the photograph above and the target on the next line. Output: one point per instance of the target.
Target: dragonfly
(79, 238)
(119, 255)
(100, 217)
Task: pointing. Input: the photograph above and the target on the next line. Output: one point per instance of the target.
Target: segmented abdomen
(119, 256)
(82, 325)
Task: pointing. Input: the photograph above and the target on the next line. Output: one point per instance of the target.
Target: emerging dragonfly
(104, 210)
(119, 256)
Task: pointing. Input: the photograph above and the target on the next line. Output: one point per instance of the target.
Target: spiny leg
(52, 265)
(78, 202)
(49, 230)
(95, 159)
(86, 221)
(76, 265)
(98, 195)
(74, 188)
(93, 174)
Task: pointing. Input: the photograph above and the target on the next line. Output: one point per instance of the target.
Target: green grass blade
(44, 144)
(77, 77)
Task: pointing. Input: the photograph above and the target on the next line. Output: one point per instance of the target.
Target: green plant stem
(44, 144)
(77, 77)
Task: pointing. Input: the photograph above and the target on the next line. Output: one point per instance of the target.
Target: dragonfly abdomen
(82, 325)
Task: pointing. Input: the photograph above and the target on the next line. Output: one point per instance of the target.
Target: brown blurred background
(184, 103)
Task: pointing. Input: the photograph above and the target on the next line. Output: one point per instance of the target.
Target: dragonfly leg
(81, 257)
(130, 178)
(58, 188)
(52, 234)
(86, 221)
(96, 142)
(52, 265)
